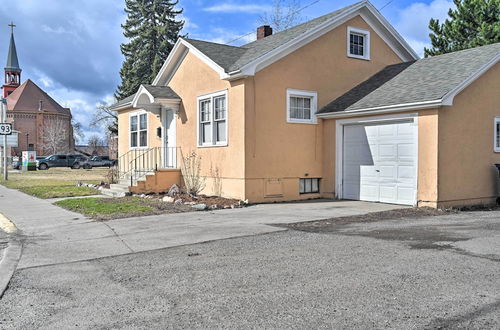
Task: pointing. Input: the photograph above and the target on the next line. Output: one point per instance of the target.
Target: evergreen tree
(473, 23)
(152, 30)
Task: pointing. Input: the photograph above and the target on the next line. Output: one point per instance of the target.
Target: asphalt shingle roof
(161, 92)
(427, 79)
(232, 58)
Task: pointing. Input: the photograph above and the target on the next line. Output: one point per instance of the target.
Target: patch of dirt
(332, 224)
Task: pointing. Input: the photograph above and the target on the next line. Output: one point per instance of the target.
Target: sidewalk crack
(119, 237)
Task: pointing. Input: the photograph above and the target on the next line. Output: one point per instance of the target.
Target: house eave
(384, 109)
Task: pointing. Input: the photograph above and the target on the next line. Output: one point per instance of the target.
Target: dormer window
(358, 43)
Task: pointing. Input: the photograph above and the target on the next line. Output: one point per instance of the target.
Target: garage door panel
(369, 192)
(379, 162)
(406, 173)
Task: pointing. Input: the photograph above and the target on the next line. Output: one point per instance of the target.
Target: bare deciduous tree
(77, 130)
(55, 136)
(284, 15)
(105, 117)
(96, 145)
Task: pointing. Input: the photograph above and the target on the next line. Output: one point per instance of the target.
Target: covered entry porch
(151, 152)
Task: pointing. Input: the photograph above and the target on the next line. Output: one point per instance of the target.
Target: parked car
(99, 161)
(74, 161)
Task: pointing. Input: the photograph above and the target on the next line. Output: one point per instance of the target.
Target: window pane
(301, 186)
(221, 131)
(300, 108)
(205, 110)
(315, 185)
(143, 121)
(220, 107)
(206, 133)
(133, 139)
(356, 44)
(308, 185)
(498, 135)
(133, 123)
(143, 139)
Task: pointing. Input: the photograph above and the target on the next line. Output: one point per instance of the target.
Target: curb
(8, 263)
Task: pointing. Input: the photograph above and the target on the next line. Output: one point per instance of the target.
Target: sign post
(5, 129)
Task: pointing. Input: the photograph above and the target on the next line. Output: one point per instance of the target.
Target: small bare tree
(55, 136)
(95, 144)
(217, 185)
(105, 117)
(191, 172)
(284, 15)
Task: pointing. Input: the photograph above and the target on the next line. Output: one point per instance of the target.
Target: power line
(296, 12)
(387, 4)
(291, 14)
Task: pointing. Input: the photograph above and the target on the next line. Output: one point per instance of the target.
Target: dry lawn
(56, 182)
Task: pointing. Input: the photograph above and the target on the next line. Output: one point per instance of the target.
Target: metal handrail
(143, 161)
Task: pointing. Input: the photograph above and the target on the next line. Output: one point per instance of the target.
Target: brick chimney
(264, 31)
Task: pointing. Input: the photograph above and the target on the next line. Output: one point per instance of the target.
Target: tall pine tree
(473, 23)
(152, 30)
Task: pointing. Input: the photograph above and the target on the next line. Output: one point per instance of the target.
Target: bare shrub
(191, 172)
(217, 185)
(112, 175)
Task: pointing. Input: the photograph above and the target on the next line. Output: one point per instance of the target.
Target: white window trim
(212, 120)
(366, 47)
(314, 106)
(496, 147)
(133, 114)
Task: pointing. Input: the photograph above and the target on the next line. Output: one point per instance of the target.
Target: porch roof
(157, 92)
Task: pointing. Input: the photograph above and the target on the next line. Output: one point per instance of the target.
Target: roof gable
(236, 62)
(27, 97)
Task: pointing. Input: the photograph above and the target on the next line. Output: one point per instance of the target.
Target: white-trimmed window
(358, 43)
(139, 130)
(301, 106)
(212, 119)
(309, 185)
(497, 134)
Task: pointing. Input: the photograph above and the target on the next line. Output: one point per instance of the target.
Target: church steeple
(12, 69)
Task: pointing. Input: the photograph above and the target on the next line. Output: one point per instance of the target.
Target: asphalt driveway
(433, 272)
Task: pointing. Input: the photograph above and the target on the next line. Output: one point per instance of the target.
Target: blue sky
(71, 48)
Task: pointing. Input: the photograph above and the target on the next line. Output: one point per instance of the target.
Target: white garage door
(379, 162)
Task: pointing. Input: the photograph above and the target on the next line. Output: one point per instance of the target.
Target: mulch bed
(212, 202)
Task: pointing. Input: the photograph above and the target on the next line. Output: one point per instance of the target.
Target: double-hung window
(139, 130)
(497, 134)
(301, 106)
(358, 43)
(212, 119)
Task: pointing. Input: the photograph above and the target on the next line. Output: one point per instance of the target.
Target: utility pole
(4, 119)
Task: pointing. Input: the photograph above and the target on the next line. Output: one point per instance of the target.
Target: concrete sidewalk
(54, 235)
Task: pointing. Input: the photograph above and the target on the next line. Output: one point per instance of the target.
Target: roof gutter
(385, 109)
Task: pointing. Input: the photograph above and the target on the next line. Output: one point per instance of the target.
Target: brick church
(42, 124)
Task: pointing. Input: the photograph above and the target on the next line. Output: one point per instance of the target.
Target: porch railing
(136, 164)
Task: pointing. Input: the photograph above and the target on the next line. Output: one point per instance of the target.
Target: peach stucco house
(337, 107)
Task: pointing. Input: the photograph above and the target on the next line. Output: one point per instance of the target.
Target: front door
(170, 150)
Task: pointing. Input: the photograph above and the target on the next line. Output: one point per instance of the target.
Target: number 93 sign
(5, 129)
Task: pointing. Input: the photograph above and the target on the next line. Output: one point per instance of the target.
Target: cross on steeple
(12, 69)
(12, 26)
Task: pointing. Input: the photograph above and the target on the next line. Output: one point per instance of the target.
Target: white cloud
(413, 21)
(235, 8)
